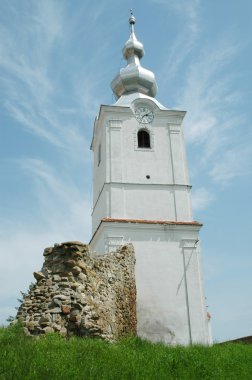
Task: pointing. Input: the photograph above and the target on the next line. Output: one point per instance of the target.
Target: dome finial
(132, 21)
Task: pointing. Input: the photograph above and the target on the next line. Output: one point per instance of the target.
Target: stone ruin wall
(77, 294)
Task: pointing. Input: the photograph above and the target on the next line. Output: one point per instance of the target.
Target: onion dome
(133, 77)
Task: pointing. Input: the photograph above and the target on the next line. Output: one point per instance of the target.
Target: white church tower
(142, 195)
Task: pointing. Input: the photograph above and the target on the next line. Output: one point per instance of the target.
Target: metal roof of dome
(134, 77)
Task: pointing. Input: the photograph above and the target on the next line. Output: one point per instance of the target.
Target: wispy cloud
(24, 70)
(206, 93)
(35, 91)
(201, 199)
(61, 201)
(186, 38)
(212, 102)
(235, 162)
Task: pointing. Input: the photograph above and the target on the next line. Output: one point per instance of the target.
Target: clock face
(144, 115)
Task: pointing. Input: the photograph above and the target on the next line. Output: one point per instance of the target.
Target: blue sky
(57, 59)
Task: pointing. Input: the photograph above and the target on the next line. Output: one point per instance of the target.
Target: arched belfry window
(143, 139)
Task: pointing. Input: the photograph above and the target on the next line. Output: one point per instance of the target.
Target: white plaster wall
(139, 201)
(166, 311)
(114, 151)
(195, 298)
(183, 204)
(178, 159)
(155, 162)
(124, 167)
(99, 169)
(100, 210)
(152, 202)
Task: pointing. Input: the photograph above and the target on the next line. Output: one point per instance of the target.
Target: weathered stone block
(38, 275)
(48, 251)
(55, 310)
(48, 330)
(65, 309)
(76, 270)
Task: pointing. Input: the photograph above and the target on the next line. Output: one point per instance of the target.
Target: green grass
(53, 357)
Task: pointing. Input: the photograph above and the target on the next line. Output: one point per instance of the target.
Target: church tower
(142, 195)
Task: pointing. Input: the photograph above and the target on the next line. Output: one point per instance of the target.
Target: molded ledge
(193, 223)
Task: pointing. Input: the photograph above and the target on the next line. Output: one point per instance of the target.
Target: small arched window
(143, 139)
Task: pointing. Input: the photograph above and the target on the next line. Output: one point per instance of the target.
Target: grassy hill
(56, 358)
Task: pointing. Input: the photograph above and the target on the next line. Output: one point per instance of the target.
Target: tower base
(170, 298)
